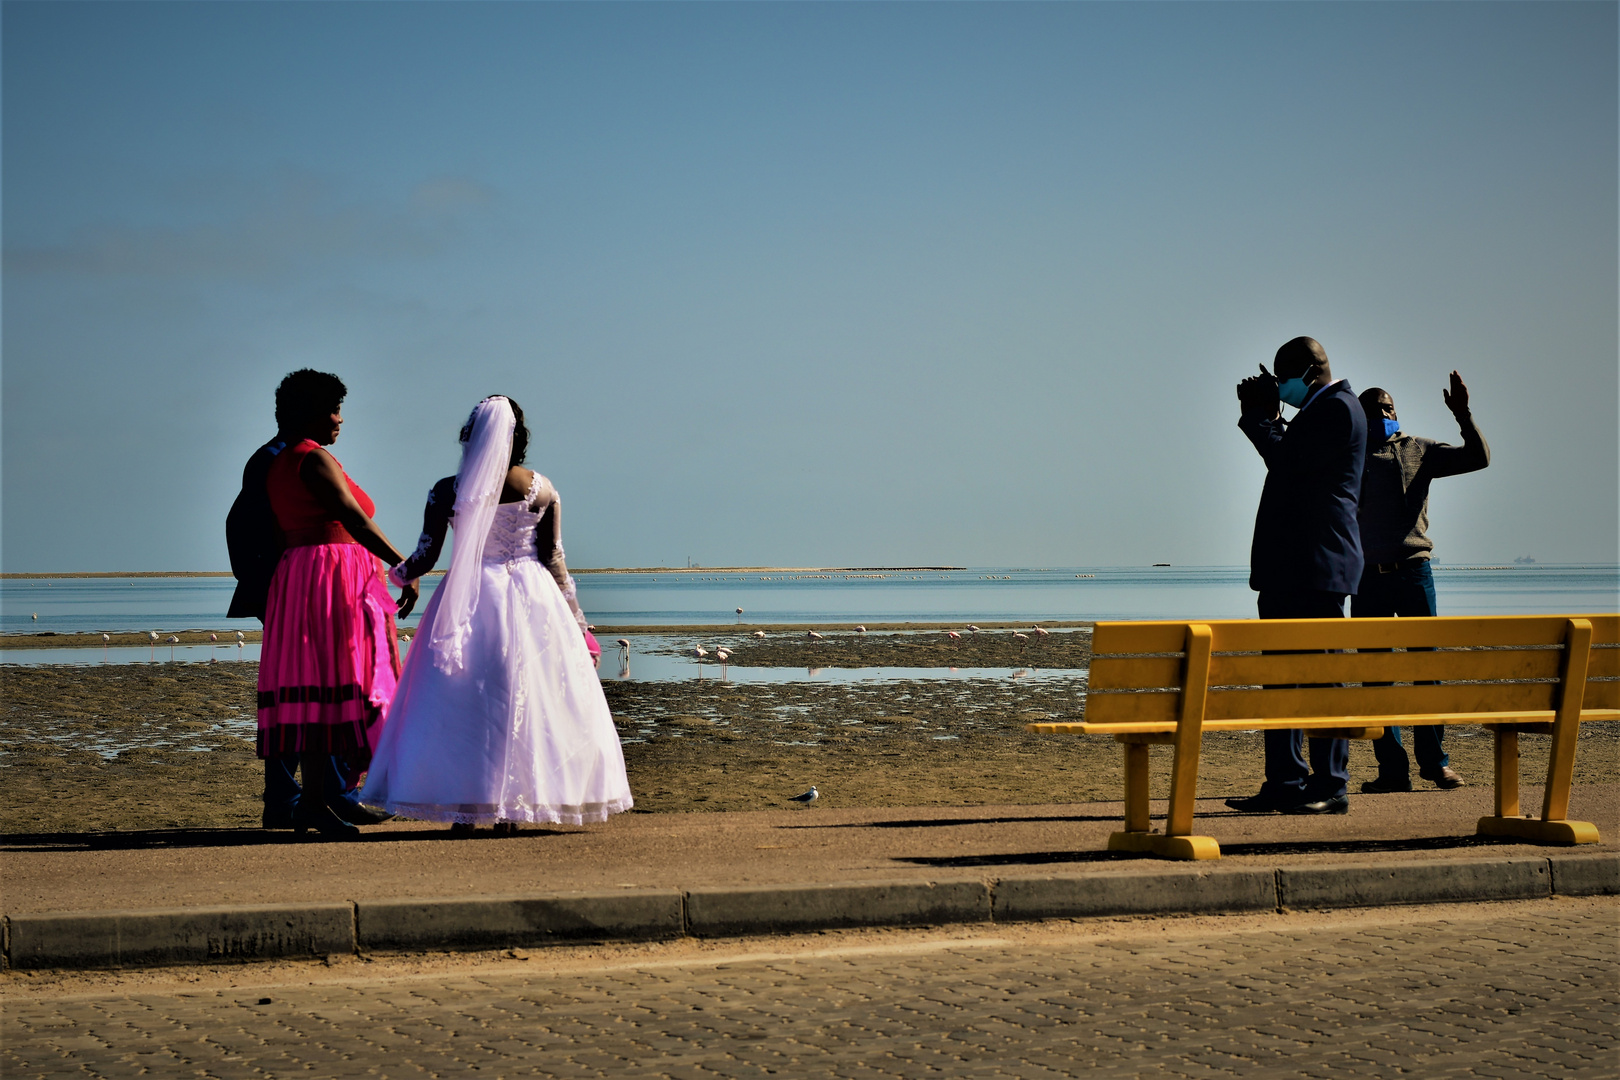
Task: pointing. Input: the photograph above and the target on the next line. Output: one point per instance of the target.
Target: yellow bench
(1169, 682)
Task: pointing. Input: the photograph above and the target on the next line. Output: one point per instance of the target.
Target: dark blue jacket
(251, 536)
(1305, 533)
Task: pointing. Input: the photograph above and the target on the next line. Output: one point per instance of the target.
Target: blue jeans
(281, 790)
(1287, 776)
(1408, 593)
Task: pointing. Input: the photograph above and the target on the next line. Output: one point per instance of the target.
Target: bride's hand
(408, 594)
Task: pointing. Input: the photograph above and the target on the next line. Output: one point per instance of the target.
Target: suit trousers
(1288, 778)
(1408, 593)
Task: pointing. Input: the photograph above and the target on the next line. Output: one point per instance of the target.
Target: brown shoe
(1446, 778)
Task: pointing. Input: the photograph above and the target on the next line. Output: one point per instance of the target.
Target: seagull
(808, 797)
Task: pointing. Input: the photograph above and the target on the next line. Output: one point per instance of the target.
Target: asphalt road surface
(1491, 990)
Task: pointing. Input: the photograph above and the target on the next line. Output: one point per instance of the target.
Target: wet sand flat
(160, 746)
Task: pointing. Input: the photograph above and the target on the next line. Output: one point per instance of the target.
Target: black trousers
(1287, 775)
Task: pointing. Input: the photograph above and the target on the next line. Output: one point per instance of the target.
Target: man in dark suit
(1306, 557)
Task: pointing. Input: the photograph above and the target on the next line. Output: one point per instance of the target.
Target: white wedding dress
(521, 732)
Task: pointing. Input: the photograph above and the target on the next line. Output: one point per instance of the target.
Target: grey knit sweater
(1394, 509)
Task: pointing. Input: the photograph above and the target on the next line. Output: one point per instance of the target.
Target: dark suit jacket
(252, 537)
(1305, 534)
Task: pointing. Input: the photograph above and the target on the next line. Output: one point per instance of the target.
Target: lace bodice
(511, 534)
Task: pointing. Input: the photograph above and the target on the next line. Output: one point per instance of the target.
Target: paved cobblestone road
(1483, 990)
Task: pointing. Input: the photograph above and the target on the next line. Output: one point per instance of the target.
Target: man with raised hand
(1306, 556)
(1397, 581)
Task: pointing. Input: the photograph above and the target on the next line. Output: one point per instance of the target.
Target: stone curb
(495, 922)
(160, 937)
(213, 935)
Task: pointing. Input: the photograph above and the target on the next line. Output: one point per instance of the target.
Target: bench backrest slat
(1476, 661)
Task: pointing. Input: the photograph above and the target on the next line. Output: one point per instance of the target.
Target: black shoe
(1386, 785)
(276, 819)
(1263, 803)
(323, 821)
(1338, 804)
(460, 830)
(355, 814)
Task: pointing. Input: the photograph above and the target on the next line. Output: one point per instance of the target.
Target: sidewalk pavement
(203, 896)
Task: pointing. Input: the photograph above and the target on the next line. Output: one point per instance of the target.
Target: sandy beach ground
(153, 746)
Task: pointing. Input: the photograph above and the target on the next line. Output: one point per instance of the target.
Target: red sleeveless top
(300, 517)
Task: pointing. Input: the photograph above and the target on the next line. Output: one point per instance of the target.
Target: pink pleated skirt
(330, 662)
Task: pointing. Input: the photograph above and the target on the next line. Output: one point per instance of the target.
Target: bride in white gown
(499, 716)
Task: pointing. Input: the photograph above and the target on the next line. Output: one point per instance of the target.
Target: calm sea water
(976, 595)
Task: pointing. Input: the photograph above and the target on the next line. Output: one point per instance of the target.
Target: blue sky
(822, 284)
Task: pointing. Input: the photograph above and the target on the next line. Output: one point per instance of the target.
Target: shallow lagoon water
(710, 598)
(653, 658)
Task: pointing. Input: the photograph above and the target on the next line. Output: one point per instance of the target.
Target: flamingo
(860, 629)
(759, 634)
(105, 638)
(1040, 632)
(739, 614)
(953, 635)
(173, 641)
(1020, 637)
(153, 637)
(624, 657)
(239, 639)
(722, 655)
(813, 636)
(972, 629)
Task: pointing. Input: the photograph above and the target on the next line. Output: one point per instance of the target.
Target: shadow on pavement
(929, 823)
(1307, 847)
(153, 839)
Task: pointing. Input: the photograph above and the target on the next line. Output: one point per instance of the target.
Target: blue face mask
(1292, 392)
(1392, 428)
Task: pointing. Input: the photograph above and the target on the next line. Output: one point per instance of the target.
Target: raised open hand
(1456, 398)
(1258, 394)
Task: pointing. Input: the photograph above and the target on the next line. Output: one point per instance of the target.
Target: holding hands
(1258, 394)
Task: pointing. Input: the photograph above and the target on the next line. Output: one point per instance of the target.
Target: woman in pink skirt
(329, 662)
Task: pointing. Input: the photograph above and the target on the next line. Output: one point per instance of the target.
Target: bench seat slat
(1364, 667)
(1062, 727)
(1253, 635)
(1134, 672)
(1341, 701)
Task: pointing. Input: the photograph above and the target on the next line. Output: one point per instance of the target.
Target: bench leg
(1507, 771)
(1136, 787)
(1553, 828)
(1175, 843)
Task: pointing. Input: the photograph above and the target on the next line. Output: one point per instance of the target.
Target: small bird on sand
(808, 797)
